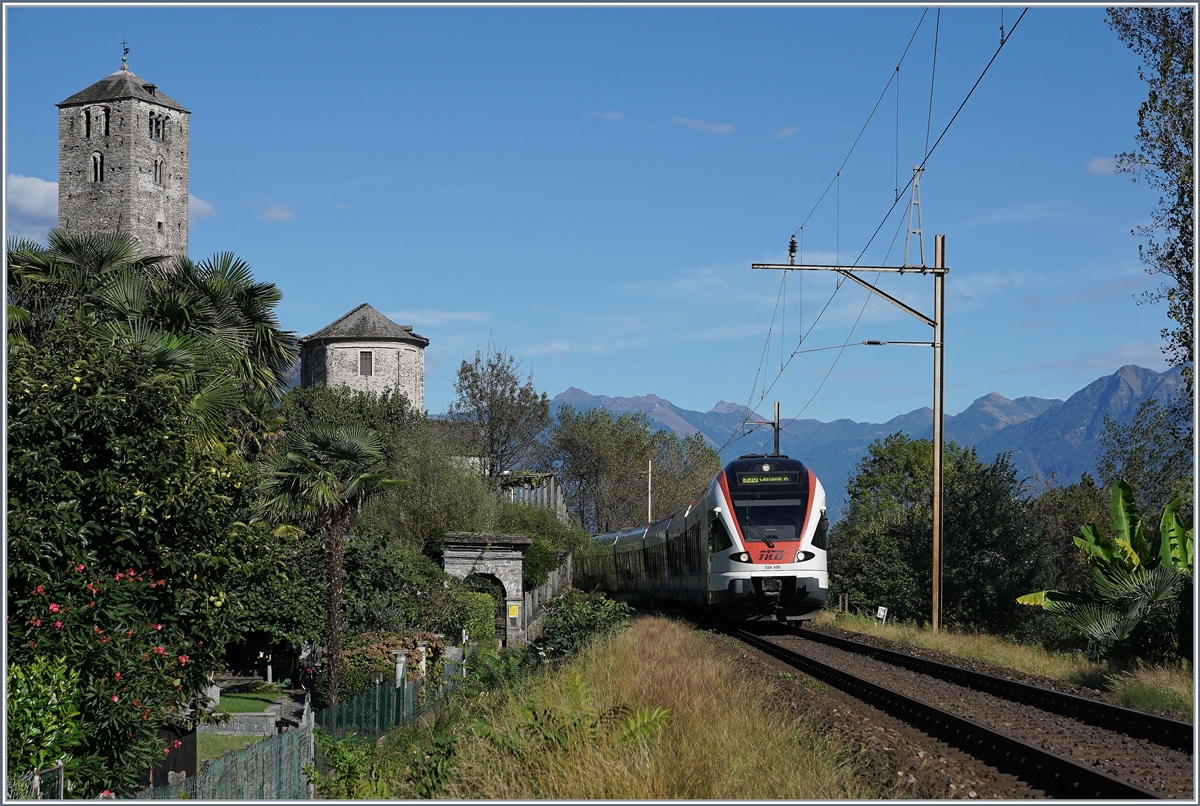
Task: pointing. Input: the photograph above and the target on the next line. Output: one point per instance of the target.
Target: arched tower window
(151, 120)
(87, 123)
(160, 171)
(97, 167)
(106, 121)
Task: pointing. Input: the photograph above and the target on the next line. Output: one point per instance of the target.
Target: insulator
(792, 250)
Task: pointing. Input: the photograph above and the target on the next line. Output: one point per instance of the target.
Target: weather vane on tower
(124, 54)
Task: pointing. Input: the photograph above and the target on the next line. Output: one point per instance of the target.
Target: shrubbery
(43, 715)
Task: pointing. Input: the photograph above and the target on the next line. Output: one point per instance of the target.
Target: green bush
(474, 612)
(43, 715)
(573, 620)
(548, 534)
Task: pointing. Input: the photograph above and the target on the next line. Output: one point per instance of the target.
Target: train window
(766, 519)
(718, 537)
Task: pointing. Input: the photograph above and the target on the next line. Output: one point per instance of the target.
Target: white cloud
(432, 318)
(199, 209)
(32, 206)
(704, 126)
(1101, 166)
(280, 213)
(611, 114)
(787, 131)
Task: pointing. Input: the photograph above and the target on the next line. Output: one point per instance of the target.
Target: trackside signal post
(937, 323)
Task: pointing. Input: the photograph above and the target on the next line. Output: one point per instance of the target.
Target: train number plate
(773, 567)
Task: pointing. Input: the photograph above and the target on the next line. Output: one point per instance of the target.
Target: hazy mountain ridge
(1044, 435)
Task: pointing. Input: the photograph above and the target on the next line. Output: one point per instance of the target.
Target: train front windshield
(765, 520)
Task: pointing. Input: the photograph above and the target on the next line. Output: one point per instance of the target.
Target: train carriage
(753, 548)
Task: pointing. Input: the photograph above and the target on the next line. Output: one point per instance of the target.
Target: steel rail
(1160, 730)
(1056, 775)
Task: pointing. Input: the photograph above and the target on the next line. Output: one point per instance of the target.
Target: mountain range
(1045, 436)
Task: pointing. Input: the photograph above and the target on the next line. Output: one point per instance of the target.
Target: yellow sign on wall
(512, 611)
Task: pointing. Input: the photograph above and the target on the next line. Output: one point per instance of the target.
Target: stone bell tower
(123, 163)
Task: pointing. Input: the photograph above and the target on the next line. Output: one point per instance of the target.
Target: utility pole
(774, 423)
(939, 296)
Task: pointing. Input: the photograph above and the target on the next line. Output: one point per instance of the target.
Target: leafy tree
(323, 480)
(121, 528)
(442, 495)
(499, 399)
(1132, 605)
(602, 459)
(210, 324)
(1152, 454)
(1057, 513)
(1164, 159)
(880, 553)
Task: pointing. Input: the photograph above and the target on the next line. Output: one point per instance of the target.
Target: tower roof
(364, 322)
(119, 86)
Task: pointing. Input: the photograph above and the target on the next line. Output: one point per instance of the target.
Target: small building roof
(119, 86)
(364, 323)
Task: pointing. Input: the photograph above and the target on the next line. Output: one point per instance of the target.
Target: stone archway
(498, 555)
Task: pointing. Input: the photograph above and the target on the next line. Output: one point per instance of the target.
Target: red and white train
(752, 549)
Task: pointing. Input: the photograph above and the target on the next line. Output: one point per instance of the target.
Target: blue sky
(589, 186)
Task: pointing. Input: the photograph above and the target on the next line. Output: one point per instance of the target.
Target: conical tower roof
(365, 323)
(119, 86)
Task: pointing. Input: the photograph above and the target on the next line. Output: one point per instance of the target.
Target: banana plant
(1135, 579)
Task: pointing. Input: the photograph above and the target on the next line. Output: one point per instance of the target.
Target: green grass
(215, 745)
(1157, 689)
(247, 703)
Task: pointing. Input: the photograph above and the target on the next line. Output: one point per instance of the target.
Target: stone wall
(396, 366)
(129, 199)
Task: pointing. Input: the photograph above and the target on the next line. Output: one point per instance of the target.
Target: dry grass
(1169, 688)
(1144, 689)
(724, 738)
(1072, 667)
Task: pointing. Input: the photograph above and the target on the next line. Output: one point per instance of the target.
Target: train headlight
(740, 557)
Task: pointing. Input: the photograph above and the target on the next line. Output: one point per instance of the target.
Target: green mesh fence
(271, 769)
(379, 709)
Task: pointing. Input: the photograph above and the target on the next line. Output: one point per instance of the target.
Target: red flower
(177, 744)
(97, 629)
(92, 604)
(166, 751)
(39, 590)
(104, 639)
(156, 626)
(118, 576)
(158, 650)
(58, 625)
(183, 659)
(79, 567)
(37, 622)
(115, 698)
(117, 676)
(54, 608)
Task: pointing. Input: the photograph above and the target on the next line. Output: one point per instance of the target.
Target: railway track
(1066, 746)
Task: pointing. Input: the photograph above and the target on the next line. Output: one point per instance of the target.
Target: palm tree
(323, 480)
(210, 325)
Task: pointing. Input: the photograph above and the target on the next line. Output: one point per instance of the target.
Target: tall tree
(498, 397)
(602, 458)
(880, 553)
(1164, 159)
(1152, 454)
(209, 324)
(323, 479)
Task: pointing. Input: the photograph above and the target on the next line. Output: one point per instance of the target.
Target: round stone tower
(123, 163)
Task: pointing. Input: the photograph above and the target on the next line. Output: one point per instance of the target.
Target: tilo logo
(770, 556)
